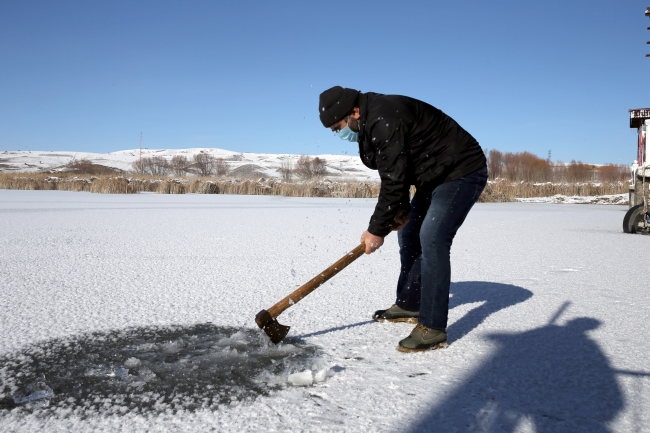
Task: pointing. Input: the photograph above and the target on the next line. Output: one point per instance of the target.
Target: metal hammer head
(273, 329)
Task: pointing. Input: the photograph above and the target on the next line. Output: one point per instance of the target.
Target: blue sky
(246, 75)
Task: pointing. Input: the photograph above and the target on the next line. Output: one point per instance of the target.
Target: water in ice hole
(145, 370)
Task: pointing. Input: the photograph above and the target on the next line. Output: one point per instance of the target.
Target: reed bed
(495, 191)
(196, 185)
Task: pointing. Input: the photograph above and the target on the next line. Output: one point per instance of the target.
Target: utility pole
(141, 148)
(647, 13)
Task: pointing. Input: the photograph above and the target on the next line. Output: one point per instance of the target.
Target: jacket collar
(363, 111)
(366, 152)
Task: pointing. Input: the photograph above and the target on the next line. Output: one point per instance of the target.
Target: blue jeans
(425, 243)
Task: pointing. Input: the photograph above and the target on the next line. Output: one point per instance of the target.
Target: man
(412, 143)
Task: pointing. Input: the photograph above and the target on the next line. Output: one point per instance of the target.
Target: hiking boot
(423, 338)
(395, 314)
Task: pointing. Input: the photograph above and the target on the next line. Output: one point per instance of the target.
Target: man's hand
(372, 242)
(401, 219)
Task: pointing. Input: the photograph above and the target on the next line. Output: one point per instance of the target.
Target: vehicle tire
(633, 218)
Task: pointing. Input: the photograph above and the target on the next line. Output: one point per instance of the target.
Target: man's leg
(407, 302)
(450, 204)
(410, 251)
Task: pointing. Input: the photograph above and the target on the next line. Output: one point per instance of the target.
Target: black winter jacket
(411, 143)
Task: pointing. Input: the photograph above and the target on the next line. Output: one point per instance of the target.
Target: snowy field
(148, 301)
(267, 164)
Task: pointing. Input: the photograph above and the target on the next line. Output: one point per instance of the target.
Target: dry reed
(496, 191)
(197, 185)
(503, 190)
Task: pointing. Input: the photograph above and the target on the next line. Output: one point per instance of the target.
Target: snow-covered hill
(241, 164)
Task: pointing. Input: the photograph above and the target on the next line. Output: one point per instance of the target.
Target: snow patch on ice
(619, 199)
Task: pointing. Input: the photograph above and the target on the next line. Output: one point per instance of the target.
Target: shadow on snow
(494, 297)
(550, 379)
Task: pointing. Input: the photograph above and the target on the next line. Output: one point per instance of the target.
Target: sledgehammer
(267, 319)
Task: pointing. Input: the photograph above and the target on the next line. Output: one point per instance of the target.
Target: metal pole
(647, 13)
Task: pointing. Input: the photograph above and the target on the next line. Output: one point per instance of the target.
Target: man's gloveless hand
(373, 242)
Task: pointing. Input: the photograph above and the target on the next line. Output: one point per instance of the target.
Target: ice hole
(153, 370)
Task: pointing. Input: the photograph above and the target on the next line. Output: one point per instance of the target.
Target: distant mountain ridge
(240, 164)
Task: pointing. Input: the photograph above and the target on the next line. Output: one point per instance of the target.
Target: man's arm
(388, 137)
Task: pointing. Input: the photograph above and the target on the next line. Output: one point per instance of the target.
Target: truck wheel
(633, 218)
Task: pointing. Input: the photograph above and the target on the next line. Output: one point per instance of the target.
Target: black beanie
(336, 103)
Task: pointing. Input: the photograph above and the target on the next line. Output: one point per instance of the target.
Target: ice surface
(77, 268)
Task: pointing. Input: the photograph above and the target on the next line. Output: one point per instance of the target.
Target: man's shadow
(493, 296)
(553, 377)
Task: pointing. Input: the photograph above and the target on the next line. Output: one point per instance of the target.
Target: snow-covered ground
(622, 199)
(243, 163)
(547, 326)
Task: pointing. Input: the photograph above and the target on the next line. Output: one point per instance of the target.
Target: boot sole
(399, 320)
(441, 345)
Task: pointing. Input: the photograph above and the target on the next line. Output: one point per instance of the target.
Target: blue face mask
(348, 134)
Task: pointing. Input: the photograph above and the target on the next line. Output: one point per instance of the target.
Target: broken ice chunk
(146, 374)
(172, 346)
(99, 371)
(303, 378)
(239, 337)
(320, 375)
(132, 363)
(33, 391)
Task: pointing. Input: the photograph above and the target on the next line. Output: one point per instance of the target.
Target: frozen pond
(127, 294)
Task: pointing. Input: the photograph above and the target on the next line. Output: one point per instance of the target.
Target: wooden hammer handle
(317, 281)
